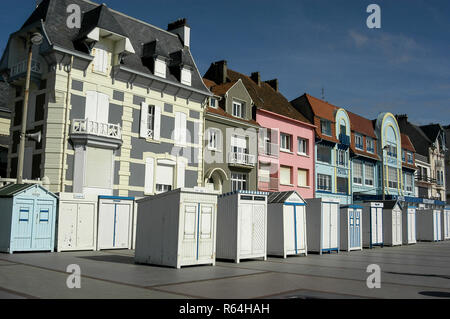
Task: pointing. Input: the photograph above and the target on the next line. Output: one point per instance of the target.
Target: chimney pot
(182, 29)
(221, 72)
(256, 77)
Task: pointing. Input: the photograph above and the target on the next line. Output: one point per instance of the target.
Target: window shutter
(103, 108)
(302, 178)
(285, 175)
(149, 175)
(181, 170)
(183, 128)
(144, 120)
(91, 106)
(104, 61)
(157, 123)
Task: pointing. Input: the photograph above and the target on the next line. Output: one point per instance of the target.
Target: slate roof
(266, 98)
(418, 138)
(280, 197)
(12, 189)
(432, 131)
(53, 12)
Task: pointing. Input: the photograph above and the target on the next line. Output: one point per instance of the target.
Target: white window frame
(237, 109)
(357, 137)
(408, 186)
(324, 147)
(358, 175)
(213, 99)
(324, 180)
(302, 146)
(285, 139)
(241, 180)
(214, 139)
(366, 177)
(370, 144)
(282, 167)
(186, 76)
(339, 154)
(159, 187)
(393, 182)
(160, 68)
(328, 125)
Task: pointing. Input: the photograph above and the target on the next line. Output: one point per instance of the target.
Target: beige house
(119, 103)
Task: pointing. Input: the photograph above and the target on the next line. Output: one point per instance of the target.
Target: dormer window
(213, 103)
(160, 68)
(186, 76)
(100, 63)
(238, 109)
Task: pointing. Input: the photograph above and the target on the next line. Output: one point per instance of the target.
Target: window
(186, 76)
(403, 155)
(150, 121)
(160, 68)
(97, 107)
(357, 172)
(342, 185)
(285, 175)
(410, 158)
(369, 175)
(214, 138)
(285, 143)
(325, 127)
(264, 173)
(99, 170)
(392, 150)
(393, 177)
(323, 153)
(213, 102)
(370, 145)
(324, 182)
(359, 142)
(408, 182)
(342, 158)
(302, 146)
(302, 178)
(100, 63)
(343, 129)
(237, 109)
(238, 181)
(164, 178)
(239, 144)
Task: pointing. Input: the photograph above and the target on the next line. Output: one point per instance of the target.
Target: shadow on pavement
(438, 294)
(419, 275)
(120, 259)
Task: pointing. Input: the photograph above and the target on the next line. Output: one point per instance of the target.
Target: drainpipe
(66, 119)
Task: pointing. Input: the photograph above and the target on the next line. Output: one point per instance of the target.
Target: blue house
(332, 148)
(27, 218)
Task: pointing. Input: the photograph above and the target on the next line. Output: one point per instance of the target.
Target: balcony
(269, 149)
(270, 185)
(425, 179)
(241, 159)
(21, 68)
(85, 131)
(344, 139)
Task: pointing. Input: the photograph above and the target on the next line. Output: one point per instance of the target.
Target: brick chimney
(273, 83)
(182, 29)
(256, 77)
(402, 118)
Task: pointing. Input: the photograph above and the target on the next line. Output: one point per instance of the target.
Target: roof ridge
(324, 101)
(130, 17)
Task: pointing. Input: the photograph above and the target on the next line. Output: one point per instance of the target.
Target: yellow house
(119, 103)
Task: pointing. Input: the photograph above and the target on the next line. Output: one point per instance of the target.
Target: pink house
(286, 145)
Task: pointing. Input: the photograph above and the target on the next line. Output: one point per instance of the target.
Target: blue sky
(404, 67)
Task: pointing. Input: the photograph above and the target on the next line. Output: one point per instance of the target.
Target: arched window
(391, 141)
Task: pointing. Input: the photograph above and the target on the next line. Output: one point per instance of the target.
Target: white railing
(269, 149)
(96, 128)
(242, 158)
(21, 67)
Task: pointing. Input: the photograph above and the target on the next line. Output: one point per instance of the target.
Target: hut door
(42, 234)
(411, 225)
(300, 229)
(334, 226)
(447, 224)
(246, 229)
(206, 232)
(122, 225)
(289, 228)
(106, 226)
(25, 216)
(259, 241)
(326, 229)
(437, 225)
(351, 217)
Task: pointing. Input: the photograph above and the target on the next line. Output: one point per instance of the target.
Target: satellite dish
(35, 136)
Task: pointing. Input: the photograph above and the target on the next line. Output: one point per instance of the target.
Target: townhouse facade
(332, 147)
(285, 141)
(365, 161)
(231, 138)
(430, 144)
(119, 102)
(409, 167)
(5, 123)
(447, 163)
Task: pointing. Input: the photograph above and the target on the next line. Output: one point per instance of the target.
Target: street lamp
(33, 39)
(386, 147)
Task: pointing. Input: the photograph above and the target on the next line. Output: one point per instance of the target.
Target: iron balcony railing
(425, 179)
(86, 126)
(21, 67)
(239, 158)
(344, 139)
(269, 149)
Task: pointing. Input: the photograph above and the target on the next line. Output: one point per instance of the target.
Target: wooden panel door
(301, 229)
(246, 229)
(43, 227)
(206, 236)
(122, 226)
(85, 225)
(259, 226)
(22, 236)
(289, 228)
(334, 226)
(106, 226)
(326, 229)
